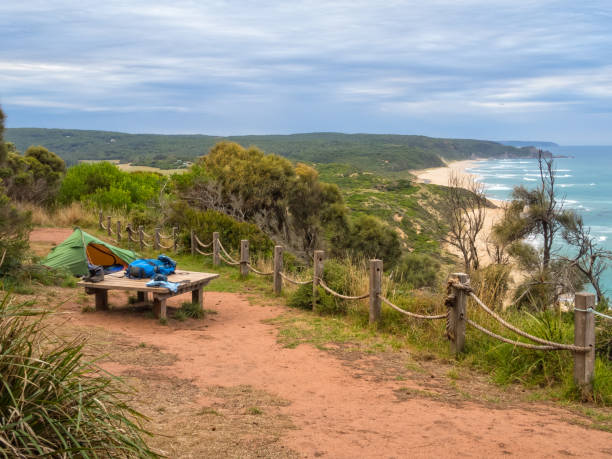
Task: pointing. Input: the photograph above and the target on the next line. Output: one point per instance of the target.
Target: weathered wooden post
(109, 230)
(193, 243)
(215, 245)
(175, 238)
(457, 315)
(118, 230)
(317, 273)
(278, 268)
(128, 230)
(244, 257)
(376, 269)
(584, 336)
(101, 220)
(141, 237)
(156, 239)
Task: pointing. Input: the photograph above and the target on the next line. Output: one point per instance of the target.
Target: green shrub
(14, 235)
(417, 270)
(55, 403)
(105, 186)
(370, 238)
(231, 231)
(301, 298)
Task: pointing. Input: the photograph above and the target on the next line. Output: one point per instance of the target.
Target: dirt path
(211, 372)
(337, 411)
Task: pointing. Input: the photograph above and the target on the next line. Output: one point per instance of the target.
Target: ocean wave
(566, 185)
(529, 179)
(498, 187)
(602, 238)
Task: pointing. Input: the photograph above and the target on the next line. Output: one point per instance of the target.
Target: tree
(538, 212)
(288, 202)
(33, 177)
(591, 259)
(462, 217)
(14, 225)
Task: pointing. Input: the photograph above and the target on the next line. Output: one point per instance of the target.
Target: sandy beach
(440, 176)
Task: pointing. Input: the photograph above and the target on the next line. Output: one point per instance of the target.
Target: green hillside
(382, 153)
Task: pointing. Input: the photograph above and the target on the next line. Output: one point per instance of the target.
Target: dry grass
(74, 214)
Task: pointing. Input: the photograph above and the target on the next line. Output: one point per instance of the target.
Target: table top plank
(116, 281)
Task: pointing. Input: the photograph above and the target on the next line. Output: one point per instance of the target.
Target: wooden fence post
(244, 257)
(458, 315)
(141, 237)
(193, 242)
(101, 220)
(215, 247)
(109, 230)
(584, 335)
(278, 268)
(376, 269)
(118, 231)
(175, 239)
(317, 273)
(156, 239)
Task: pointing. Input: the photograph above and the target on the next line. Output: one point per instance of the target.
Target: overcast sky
(533, 70)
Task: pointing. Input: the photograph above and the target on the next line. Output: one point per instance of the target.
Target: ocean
(584, 180)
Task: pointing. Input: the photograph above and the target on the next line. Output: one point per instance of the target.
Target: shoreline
(440, 176)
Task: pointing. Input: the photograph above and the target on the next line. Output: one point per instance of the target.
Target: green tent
(74, 252)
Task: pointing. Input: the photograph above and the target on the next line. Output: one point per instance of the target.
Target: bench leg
(197, 297)
(101, 300)
(141, 297)
(159, 307)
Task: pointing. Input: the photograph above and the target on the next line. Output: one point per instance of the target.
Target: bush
(231, 231)
(53, 402)
(344, 277)
(105, 186)
(14, 235)
(371, 238)
(417, 270)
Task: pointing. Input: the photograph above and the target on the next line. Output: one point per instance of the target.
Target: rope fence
(271, 273)
(200, 243)
(412, 314)
(339, 295)
(294, 281)
(459, 291)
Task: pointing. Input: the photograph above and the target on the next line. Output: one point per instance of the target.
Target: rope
(200, 242)
(412, 314)
(597, 313)
(552, 347)
(145, 243)
(339, 295)
(202, 253)
(163, 236)
(163, 246)
(259, 272)
(517, 343)
(145, 235)
(227, 261)
(227, 254)
(293, 281)
(520, 332)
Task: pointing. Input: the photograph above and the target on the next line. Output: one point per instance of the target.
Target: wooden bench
(189, 281)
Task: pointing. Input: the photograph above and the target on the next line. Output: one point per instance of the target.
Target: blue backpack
(146, 268)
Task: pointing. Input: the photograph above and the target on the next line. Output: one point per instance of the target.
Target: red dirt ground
(337, 411)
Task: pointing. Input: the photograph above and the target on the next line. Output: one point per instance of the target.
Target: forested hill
(384, 153)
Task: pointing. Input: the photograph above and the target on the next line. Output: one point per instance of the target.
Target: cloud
(367, 63)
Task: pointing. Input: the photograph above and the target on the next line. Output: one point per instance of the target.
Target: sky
(495, 69)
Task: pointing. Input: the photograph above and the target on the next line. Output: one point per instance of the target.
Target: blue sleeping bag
(146, 268)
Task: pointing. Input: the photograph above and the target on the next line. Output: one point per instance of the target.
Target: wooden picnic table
(189, 281)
